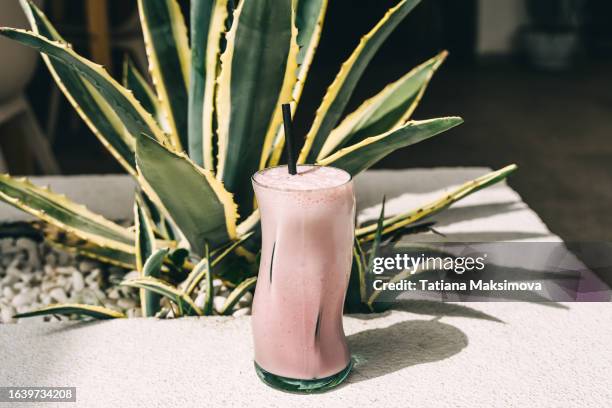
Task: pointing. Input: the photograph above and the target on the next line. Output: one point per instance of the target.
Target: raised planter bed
(431, 354)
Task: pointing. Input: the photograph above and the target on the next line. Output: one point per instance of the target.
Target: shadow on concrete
(75, 325)
(455, 215)
(493, 236)
(433, 308)
(439, 309)
(379, 352)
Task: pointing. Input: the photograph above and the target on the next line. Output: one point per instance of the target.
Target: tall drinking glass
(307, 223)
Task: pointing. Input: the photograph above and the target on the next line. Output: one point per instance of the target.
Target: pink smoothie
(307, 223)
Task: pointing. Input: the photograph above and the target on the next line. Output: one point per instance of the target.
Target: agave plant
(210, 119)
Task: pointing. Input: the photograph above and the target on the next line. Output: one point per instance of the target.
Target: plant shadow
(379, 352)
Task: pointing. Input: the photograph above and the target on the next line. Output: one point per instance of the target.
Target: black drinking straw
(289, 139)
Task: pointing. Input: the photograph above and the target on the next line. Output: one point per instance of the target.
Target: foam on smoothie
(307, 178)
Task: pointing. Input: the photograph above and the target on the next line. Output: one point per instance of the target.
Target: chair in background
(15, 110)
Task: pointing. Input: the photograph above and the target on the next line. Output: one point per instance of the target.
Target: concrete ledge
(437, 355)
(429, 354)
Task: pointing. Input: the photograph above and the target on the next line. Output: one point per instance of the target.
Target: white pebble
(31, 248)
(245, 311)
(126, 303)
(246, 299)
(8, 293)
(134, 312)
(218, 302)
(113, 307)
(113, 294)
(9, 280)
(59, 295)
(200, 299)
(22, 299)
(6, 244)
(26, 277)
(92, 277)
(63, 258)
(19, 285)
(78, 283)
(217, 283)
(66, 270)
(50, 261)
(86, 266)
(13, 269)
(131, 275)
(6, 314)
(88, 297)
(62, 281)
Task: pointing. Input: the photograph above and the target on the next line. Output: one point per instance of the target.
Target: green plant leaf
(184, 302)
(127, 109)
(208, 299)
(358, 157)
(401, 220)
(236, 294)
(68, 309)
(310, 16)
(341, 89)
(388, 110)
(99, 253)
(200, 271)
(135, 82)
(258, 71)
(208, 26)
(377, 237)
(58, 210)
(165, 37)
(148, 261)
(96, 112)
(356, 294)
(163, 226)
(191, 196)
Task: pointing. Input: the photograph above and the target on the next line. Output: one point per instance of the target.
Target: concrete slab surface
(437, 355)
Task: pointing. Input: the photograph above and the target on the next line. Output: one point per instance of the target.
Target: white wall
(498, 22)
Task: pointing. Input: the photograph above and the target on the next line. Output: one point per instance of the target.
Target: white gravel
(33, 275)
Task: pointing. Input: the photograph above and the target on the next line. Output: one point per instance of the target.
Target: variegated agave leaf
(258, 72)
(167, 46)
(70, 309)
(339, 92)
(399, 221)
(184, 302)
(388, 110)
(191, 196)
(148, 260)
(136, 82)
(358, 157)
(208, 25)
(65, 241)
(309, 20)
(58, 210)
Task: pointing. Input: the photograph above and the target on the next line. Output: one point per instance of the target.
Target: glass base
(303, 386)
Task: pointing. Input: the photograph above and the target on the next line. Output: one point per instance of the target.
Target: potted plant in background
(217, 95)
(552, 38)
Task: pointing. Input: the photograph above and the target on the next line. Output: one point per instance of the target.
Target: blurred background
(531, 78)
